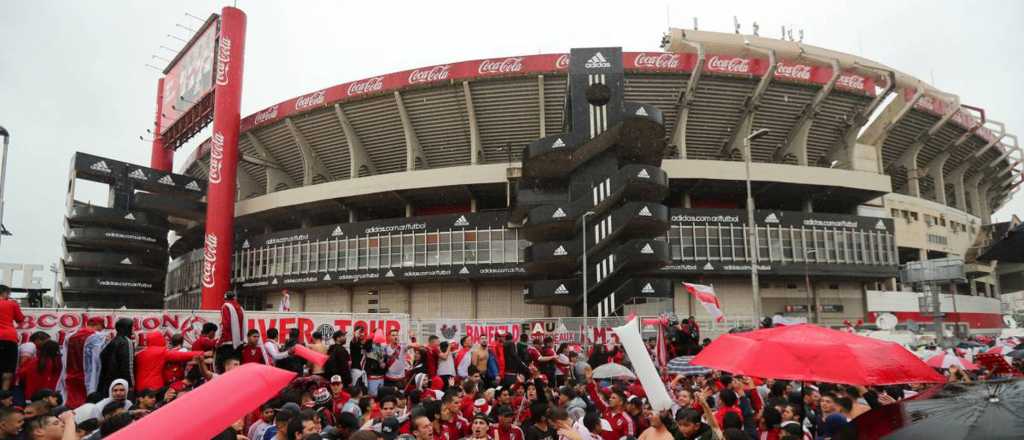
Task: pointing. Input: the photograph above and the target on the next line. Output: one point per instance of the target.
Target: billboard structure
(185, 103)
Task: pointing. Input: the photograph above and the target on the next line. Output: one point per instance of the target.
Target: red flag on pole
(706, 296)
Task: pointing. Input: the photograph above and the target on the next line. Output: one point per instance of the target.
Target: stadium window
(458, 247)
(686, 242)
(470, 247)
(700, 242)
(714, 243)
(763, 253)
(433, 252)
(373, 251)
(511, 248)
(913, 216)
(895, 213)
(790, 285)
(421, 250)
(483, 247)
(833, 286)
(675, 242)
(739, 243)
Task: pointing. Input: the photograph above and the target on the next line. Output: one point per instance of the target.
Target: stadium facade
(400, 193)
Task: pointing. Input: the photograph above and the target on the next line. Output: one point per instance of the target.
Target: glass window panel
(408, 250)
(714, 243)
(762, 244)
(432, 248)
(686, 242)
(739, 243)
(675, 244)
(700, 242)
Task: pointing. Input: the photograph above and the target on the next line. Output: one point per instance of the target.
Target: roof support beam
(939, 161)
(358, 159)
(476, 152)
(796, 141)
(909, 157)
(276, 176)
(247, 186)
(413, 150)
(753, 102)
(957, 174)
(312, 166)
(685, 99)
(848, 139)
(1009, 150)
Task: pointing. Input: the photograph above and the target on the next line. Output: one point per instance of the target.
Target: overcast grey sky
(72, 75)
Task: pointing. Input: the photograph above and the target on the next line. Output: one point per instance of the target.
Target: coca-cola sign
(266, 115)
(370, 85)
(216, 156)
(562, 62)
(209, 260)
(430, 74)
(223, 60)
(729, 64)
(801, 72)
(498, 66)
(850, 81)
(656, 61)
(311, 100)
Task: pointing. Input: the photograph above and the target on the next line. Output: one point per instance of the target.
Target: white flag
(706, 296)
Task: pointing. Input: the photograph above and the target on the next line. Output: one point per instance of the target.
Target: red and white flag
(706, 296)
(286, 302)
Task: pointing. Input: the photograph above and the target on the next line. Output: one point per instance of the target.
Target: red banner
(160, 158)
(220, 196)
(189, 78)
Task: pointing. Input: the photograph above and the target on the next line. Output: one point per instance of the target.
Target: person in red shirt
(612, 410)
(149, 363)
(74, 364)
(252, 351)
(433, 355)
(205, 341)
(728, 403)
(232, 327)
(43, 370)
(505, 430)
(10, 316)
(453, 425)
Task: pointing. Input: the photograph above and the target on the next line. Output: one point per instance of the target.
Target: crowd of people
(374, 386)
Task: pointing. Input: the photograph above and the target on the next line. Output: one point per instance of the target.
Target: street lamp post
(755, 287)
(810, 288)
(3, 179)
(583, 228)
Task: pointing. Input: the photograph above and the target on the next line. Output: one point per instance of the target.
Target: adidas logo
(647, 249)
(560, 251)
(708, 266)
(461, 221)
(644, 212)
(561, 290)
(464, 271)
(327, 277)
(558, 143)
(166, 180)
(771, 218)
(130, 216)
(558, 213)
(390, 273)
(337, 231)
(72, 234)
(192, 186)
(100, 166)
(648, 288)
(643, 174)
(245, 244)
(126, 261)
(881, 226)
(641, 112)
(597, 61)
(138, 174)
(274, 281)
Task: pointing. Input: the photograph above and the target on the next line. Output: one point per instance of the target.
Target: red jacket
(74, 369)
(10, 313)
(149, 363)
(252, 354)
(512, 433)
(232, 323)
(622, 423)
(34, 380)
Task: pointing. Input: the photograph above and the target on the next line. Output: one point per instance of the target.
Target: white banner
(61, 322)
(629, 335)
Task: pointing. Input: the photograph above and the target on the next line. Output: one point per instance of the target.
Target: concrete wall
(737, 303)
(914, 234)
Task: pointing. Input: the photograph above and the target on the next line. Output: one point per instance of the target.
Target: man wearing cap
(232, 327)
(72, 379)
(505, 429)
(339, 396)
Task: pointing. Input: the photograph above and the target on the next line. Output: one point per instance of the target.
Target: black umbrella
(990, 410)
(1016, 354)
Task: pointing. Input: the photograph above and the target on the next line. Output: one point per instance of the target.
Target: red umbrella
(809, 352)
(212, 407)
(946, 360)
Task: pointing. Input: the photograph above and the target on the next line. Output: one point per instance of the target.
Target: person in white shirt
(271, 347)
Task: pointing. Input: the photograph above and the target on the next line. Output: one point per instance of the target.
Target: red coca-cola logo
(366, 86)
(730, 65)
(266, 115)
(507, 65)
(562, 62)
(431, 74)
(850, 81)
(216, 156)
(927, 103)
(209, 260)
(657, 61)
(793, 71)
(223, 60)
(311, 100)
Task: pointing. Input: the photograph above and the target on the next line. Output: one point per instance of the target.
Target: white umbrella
(613, 371)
